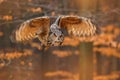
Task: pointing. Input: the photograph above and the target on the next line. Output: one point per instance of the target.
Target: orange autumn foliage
(22, 63)
(35, 9)
(2, 65)
(58, 73)
(1, 34)
(36, 45)
(1, 1)
(70, 76)
(15, 55)
(30, 64)
(61, 54)
(107, 51)
(29, 0)
(112, 76)
(7, 17)
(70, 41)
(108, 36)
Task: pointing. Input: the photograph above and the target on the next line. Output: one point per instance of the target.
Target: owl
(49, 34)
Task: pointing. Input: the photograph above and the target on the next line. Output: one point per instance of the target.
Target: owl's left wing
(77, 26)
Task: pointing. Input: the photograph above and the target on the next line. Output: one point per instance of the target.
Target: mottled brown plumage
(33, 28)
(77, 26)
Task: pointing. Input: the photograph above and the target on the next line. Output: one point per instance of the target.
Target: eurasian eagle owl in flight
(49, 34)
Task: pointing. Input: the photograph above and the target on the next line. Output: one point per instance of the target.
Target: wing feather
(77, 26)
(30, 28)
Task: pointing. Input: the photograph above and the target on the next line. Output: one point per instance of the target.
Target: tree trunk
(86, 7)
(86, 61)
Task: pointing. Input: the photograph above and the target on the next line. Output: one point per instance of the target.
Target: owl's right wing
(31, 29)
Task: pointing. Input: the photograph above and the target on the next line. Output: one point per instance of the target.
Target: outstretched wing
(77, 26)
(30, 29)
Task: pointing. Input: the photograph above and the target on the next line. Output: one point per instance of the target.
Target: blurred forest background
(29, 62)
